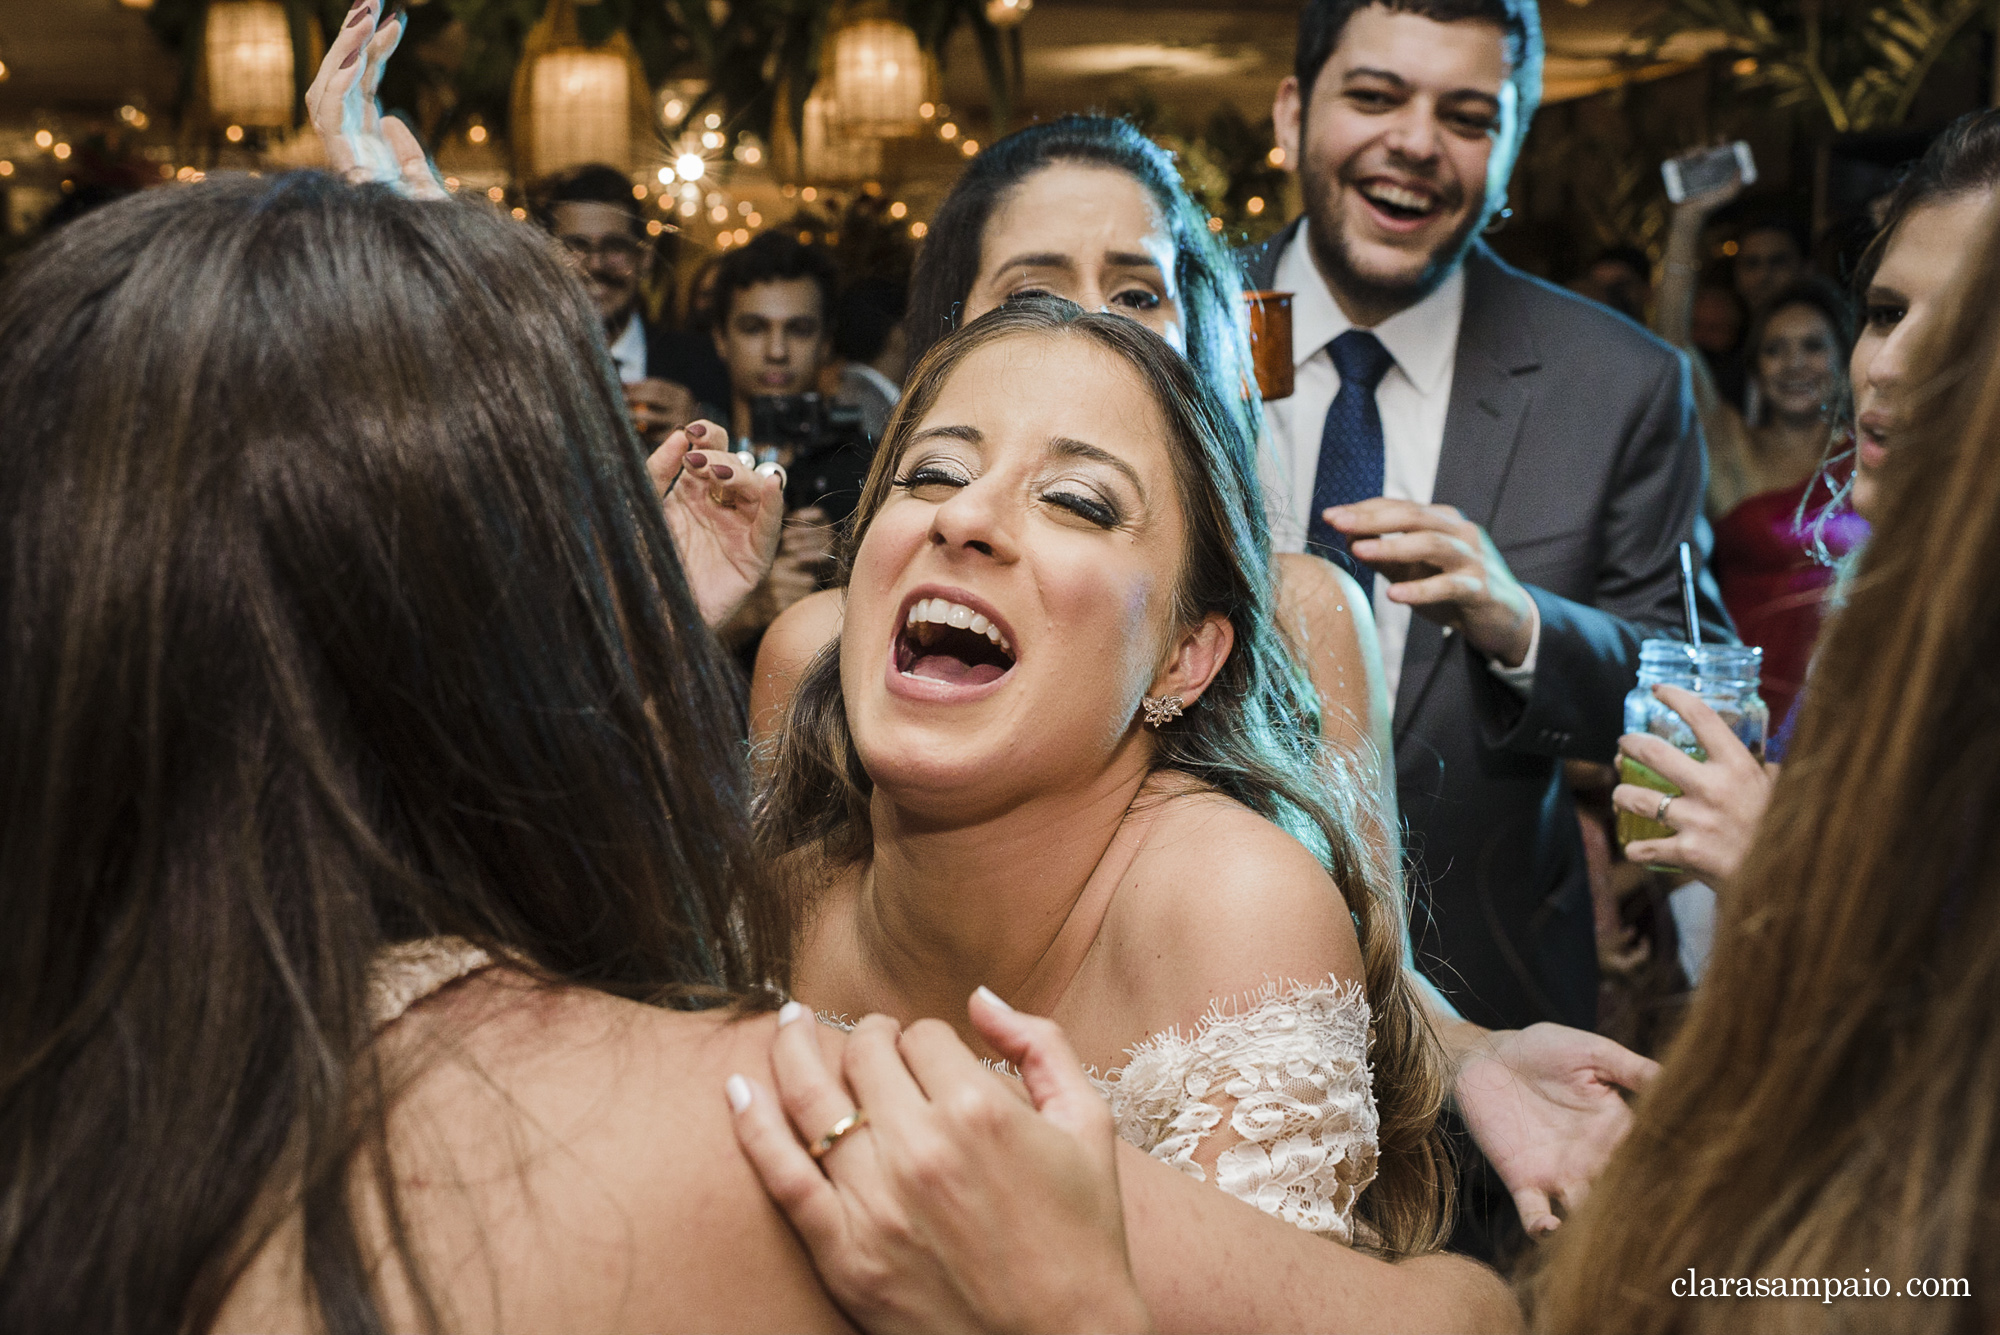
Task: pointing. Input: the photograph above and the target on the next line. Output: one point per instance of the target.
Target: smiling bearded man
(1509, 468)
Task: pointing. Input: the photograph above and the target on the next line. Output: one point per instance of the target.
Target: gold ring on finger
(854, 1121)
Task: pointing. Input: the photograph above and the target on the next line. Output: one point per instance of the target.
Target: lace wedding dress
(1286, 1072)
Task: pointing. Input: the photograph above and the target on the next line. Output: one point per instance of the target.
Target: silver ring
(1660, 815)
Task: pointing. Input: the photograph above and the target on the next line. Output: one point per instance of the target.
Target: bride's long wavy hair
(1254, 737)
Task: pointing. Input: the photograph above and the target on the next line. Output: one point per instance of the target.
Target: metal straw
(1687, 595)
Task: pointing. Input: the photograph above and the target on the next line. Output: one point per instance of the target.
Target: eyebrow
(1064, 447)
(1391, 77)
(1049, 259)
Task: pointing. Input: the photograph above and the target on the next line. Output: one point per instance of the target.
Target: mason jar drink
(1725, 677)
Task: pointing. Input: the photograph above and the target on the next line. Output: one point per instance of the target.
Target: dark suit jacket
(1571, 438)
(688, 357)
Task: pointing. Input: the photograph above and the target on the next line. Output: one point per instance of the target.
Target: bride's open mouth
(945, 641)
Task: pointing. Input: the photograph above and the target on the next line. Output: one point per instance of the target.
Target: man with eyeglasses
(669, 379)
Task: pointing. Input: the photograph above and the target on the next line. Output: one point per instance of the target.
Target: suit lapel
(1489, 395)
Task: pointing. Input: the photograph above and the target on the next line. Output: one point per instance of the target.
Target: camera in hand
(822, 445)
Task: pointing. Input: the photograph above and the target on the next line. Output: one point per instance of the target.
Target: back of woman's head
(1207, 278)
(337, 611)
(1832, 1105)
(1254, 735)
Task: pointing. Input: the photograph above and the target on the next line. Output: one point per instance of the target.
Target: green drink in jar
(1725, 677)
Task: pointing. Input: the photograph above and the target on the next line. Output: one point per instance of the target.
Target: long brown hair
(338, 610)
(1832, 1106)
(1255, 737)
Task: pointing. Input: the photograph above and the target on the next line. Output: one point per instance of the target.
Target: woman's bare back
(565, 1162)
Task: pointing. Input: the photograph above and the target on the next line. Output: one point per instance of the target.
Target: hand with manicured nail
(361, 143)
(724, 519)
(960, 1207)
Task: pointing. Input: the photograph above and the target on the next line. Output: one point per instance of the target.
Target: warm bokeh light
(1744, 67)
(1007, 13)
(1255, 205)
(639, 192)
(969, 147)
(520, 215)
(899, 209)
(927, 110)
(234, 134)
(725, 240)
(711, 139)
(744, 207)
(655, 227)
(742, 235)
(712, 121)
(451, 183)
(43, 139)
(947, 131)
(477, 134)
(1729, 247)
(755, 219)
(6, 167)
(1276, 157)
(718, 214)
(690, 166)
(1215, 225)
(809, 194)
(666, 176)
(919, 230)
(495, 193)
(61, 151)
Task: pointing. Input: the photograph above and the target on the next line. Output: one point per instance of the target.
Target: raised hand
(1546, 1108)
(361, 143)
(723, 511)
(957, 1206)
(1721, 800)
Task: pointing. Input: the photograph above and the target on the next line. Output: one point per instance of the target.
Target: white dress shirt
(629, 351)
(1412, 398)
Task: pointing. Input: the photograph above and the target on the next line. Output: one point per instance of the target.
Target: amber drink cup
(1271, 342)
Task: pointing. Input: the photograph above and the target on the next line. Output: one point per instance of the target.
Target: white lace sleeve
(1287, 1071)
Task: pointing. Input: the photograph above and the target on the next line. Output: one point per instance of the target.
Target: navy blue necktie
(1350, 446)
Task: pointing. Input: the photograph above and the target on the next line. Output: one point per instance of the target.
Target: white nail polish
(991, 998)
(739, 1092)
(789, 1012)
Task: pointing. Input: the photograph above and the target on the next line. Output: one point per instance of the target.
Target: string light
(899, 209)
(1255, 205)
(969, 147)
(477, 134)
(1276, 157)
(234, 134)
(919, 230)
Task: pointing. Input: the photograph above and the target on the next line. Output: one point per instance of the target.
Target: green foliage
(1857, 65)
(1223, 163)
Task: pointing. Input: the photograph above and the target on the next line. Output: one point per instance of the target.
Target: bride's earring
(1161, 711)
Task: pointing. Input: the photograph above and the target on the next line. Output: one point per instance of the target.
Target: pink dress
(1773, 586)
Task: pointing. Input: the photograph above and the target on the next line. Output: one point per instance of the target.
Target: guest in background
(873, 348)
(1909, 275)
(773, 329)
(773, 320)
(1621, 278)
(1770, 255)
(592, 212)
(1767, 489)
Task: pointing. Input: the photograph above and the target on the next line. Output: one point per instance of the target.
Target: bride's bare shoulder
(565, 1161)
(1219, 902)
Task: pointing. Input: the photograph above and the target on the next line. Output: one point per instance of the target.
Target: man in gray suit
(1510, 467)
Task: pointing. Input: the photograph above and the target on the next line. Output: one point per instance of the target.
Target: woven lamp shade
(831, 155)
(575, 103)
(247, 58)
(876, 76)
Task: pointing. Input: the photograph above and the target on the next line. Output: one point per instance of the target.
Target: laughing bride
(1059, 750)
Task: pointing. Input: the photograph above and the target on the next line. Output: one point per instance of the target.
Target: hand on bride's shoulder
(1218, 903)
